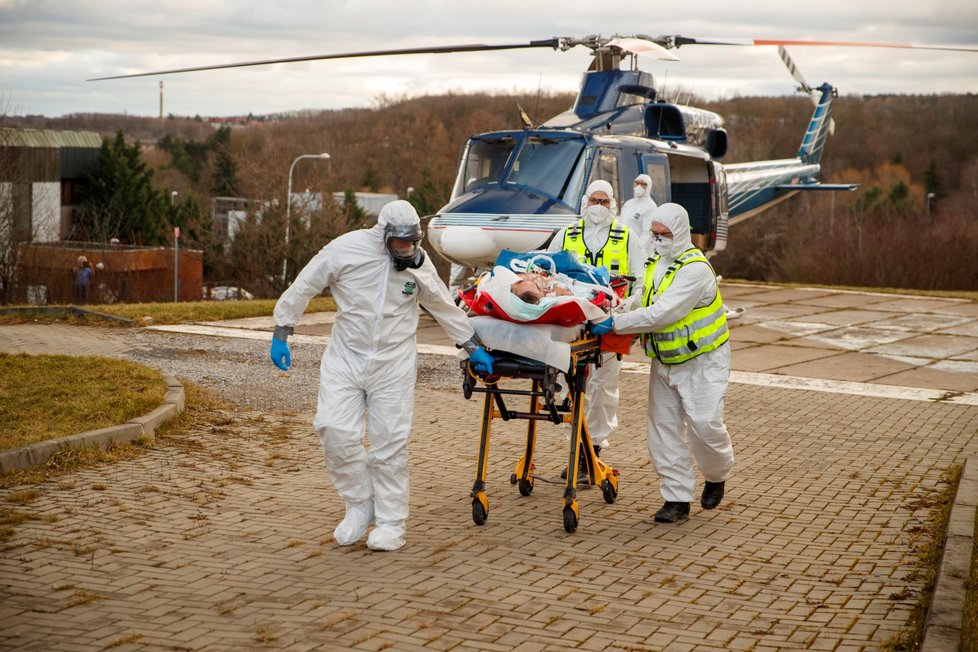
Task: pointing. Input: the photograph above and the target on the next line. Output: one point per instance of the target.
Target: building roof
(49, 138)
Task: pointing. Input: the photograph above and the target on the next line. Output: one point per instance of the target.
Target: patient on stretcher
(533, 286)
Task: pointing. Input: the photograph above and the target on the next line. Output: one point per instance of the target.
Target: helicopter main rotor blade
(639, 45)
(679, 41)
(446, 49)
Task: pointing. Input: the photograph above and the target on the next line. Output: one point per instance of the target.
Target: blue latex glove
(481, 360)
(280, 354)
(604, 326)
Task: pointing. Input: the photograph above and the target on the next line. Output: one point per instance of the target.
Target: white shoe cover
(358, 518)
(386, 537)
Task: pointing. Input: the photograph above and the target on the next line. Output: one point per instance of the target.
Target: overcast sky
(48, 48)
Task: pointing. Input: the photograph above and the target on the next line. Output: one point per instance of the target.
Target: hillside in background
(898, 147)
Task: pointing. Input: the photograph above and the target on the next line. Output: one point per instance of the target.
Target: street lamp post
(288, 208)
(930, 196)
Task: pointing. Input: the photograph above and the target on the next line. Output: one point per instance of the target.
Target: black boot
(712, 495)
(672, 513)
(582, 465)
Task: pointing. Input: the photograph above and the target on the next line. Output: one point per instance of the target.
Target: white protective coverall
(601, 409)
(368, 371)
(636, 213)
(685, 412)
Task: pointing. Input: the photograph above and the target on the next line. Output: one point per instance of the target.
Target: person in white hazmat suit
(685, 333)
(636, 213)
(378, 277)
(599, 239)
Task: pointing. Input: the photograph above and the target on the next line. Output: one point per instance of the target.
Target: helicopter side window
(657, 167)
(606, 168)
(485, 161)
(551, 165)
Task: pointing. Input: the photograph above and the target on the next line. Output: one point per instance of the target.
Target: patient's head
(527, 290)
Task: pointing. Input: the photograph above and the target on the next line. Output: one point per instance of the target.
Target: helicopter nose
(466, 243)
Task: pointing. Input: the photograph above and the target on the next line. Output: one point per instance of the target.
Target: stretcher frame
(543, 406)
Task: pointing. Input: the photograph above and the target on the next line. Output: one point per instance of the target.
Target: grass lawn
(51, 396)
(172, 313)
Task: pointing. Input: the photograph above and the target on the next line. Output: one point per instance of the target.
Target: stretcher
(547, 402)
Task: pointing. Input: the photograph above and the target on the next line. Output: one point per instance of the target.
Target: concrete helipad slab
(772, 358)
(919, 305)
(847, 366)
(937, 347)
(781, 295)
(845, 300)
(943, 374)
(845, 317)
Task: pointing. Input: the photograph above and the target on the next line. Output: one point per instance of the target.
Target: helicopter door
(722, 209)
(657, 167)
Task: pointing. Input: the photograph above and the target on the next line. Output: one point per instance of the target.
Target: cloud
(48, 49)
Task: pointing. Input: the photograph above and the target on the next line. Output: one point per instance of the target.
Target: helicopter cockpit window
(554, 166)
(485, 161)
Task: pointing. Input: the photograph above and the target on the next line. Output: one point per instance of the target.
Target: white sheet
(544, 342)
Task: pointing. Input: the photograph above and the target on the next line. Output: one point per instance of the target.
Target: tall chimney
(161, 100)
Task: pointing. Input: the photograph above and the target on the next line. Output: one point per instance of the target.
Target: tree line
(914, 156)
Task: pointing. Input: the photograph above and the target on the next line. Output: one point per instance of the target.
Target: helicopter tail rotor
(813, 93)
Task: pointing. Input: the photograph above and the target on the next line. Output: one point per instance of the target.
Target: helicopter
(516, 189)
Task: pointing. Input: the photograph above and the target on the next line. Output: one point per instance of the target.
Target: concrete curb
(942, 627)
(64, 311)
(24, 457)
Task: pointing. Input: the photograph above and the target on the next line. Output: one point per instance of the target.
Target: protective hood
(675, 218)
(599, 215)
(647, 180)
(398, 213)
(402, 234)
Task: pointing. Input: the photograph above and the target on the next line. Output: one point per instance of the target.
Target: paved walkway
(221, 540)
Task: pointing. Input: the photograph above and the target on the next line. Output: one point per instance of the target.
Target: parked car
(226, 292)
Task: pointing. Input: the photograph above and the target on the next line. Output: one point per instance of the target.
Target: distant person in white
(637, 211)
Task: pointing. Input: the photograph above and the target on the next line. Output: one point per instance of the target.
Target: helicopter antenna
(536, 108)
(525, 119)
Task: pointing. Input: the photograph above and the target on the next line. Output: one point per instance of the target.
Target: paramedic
(599, 239)
(636, 214)
(368, 371)
(689, 374)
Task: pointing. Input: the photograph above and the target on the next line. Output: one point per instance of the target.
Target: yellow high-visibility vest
(614, 253)
(703, 329)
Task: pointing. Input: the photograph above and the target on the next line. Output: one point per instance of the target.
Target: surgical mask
(599, 215)
(639, 191)
(662, 246)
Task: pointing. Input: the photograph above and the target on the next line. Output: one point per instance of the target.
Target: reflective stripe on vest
(703, 329)
(614, 253)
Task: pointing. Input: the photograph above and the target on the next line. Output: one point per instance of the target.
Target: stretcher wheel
(479, 512)
(609, 491)
(512, 478)
(526, 487)
(570, 519)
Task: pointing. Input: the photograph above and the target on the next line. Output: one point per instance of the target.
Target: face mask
(662, 246)
(639, 191)
(599, 215)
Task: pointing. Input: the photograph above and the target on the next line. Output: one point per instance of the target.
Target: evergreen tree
(225, 169)
(430, 195)
(932, 180)
(119, 200)
(355, 215)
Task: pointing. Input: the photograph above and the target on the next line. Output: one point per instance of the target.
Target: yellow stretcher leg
(480, 503)
(523, 476)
